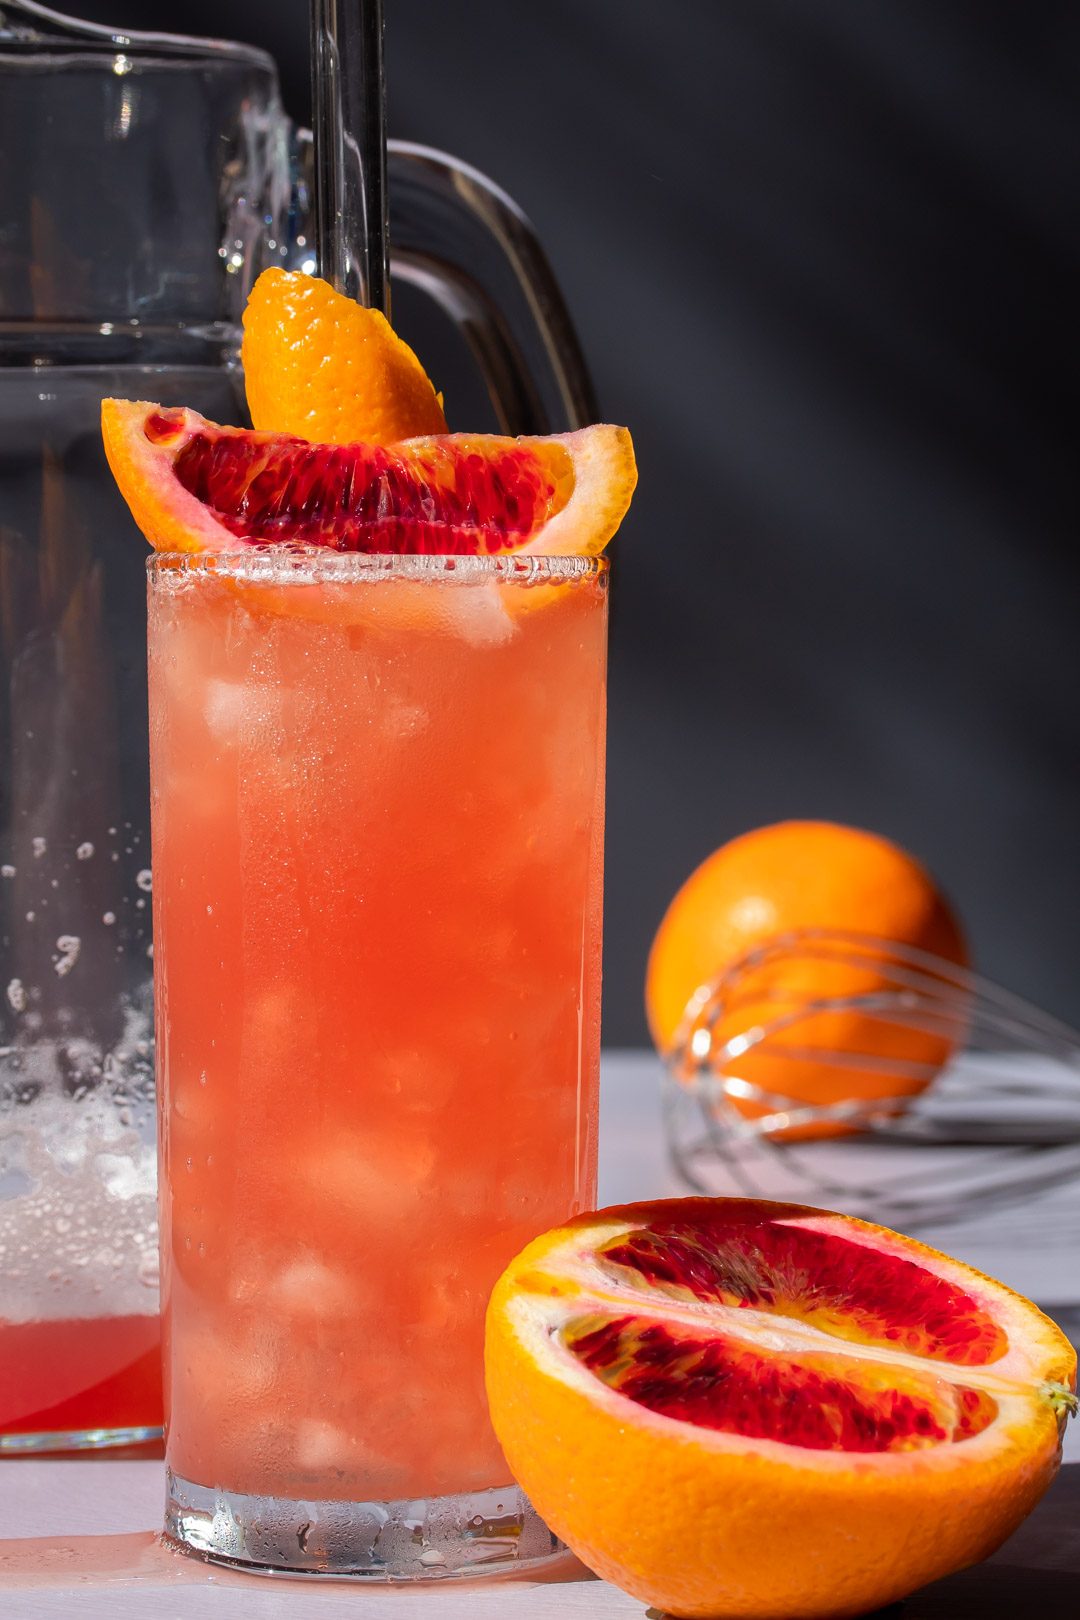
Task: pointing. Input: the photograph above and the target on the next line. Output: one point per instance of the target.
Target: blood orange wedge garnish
(194, 486)
(730, 1407)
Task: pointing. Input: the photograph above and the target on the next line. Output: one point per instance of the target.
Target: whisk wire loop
(998, 1122)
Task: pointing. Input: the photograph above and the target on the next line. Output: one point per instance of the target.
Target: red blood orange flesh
(743, 1259)
(195, 486)
(820, 1402)
(736, 1408)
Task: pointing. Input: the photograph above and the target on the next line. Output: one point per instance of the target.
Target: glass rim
(308, 565)
(81, 41)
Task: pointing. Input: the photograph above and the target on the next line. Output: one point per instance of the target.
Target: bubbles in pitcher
(16, 994)
(7, 870)
(84, 851)
(77, 1123)
(148, 1270)
(68, 947)
(144, 880)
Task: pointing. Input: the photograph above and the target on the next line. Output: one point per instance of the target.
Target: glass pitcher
(156, 177)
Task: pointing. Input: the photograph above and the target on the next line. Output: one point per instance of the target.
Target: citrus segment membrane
(845, 1289)
(820, 1402)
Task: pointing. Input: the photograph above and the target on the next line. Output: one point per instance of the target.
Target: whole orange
(798, 875)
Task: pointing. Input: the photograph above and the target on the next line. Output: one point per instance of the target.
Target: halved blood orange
(194, 486)
(737, 1408)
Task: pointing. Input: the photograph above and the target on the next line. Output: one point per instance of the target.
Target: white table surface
(79, 1537)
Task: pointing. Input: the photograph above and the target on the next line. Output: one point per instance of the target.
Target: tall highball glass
(377, 815)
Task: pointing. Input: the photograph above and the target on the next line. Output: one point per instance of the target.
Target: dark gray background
(823, 255)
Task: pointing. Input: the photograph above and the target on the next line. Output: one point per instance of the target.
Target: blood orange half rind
(194, 486)
(142, 463)
(820, 1472)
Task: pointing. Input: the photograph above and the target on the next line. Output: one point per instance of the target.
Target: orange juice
(66, 1381)
(377, 792)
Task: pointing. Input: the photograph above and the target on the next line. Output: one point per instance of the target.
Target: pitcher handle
(465, 242)
(462, 241)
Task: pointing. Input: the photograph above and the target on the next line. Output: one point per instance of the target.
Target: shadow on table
(989, 1591)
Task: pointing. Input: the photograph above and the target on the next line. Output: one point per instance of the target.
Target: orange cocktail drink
(377, 819)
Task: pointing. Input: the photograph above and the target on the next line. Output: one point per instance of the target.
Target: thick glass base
(20, 1445)
(437, 1538)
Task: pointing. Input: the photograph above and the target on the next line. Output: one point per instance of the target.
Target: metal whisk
(959, 1095)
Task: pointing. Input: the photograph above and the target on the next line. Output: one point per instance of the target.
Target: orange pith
(322, 367)
(710, 1401)
(799, 875)
(194, 486)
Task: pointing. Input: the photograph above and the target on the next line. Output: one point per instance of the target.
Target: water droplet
(68, 946)
(112, 832)
(209, 911)
(7, 871)
(144, 879)
(16, 994)
(84, 851)
(109, 918)
(30, 915)
(150, 950)
(140, 905)
(39, 846)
